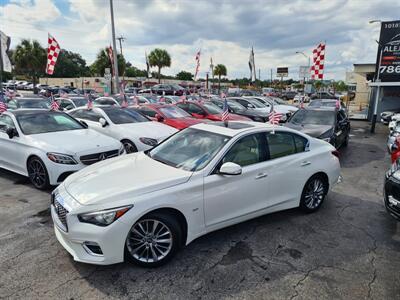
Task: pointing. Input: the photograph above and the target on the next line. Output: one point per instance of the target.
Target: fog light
(92, 248)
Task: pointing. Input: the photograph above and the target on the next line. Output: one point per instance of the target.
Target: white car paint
(15, 152)
(131, 131)
(207, 200)
(279, 108)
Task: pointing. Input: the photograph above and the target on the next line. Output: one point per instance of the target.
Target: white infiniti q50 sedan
(48, 146)
(145, 206)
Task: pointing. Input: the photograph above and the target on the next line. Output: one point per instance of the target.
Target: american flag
(274, 117)
(183, 98)
(124, 103)
(53, 51)
(54, 104)
(317, 69)
(3, 105)
(111, 57)
(225, 109)
(10, 93)
(135, 100)
(89, 99)
(337, 104)
(197, 58)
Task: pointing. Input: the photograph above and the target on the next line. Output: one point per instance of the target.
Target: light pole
(377, 79)
(115, 48)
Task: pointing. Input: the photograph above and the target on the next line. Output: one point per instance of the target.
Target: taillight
(336, 153)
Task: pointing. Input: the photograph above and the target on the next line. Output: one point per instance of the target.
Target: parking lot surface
(349, 249)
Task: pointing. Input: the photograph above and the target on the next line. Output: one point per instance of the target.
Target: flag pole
(1, 67)
(116, 83)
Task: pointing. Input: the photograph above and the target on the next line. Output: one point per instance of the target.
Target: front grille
(61, 213)
(93, 158)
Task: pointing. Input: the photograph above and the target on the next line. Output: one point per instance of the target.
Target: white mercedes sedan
(135, 131)
(145, 206)
(48, 146)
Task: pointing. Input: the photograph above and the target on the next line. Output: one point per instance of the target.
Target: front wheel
(314, 193)
(129, 146)
(37, 173)
(153, 240)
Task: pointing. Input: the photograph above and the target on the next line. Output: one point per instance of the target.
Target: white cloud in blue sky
(223, 29)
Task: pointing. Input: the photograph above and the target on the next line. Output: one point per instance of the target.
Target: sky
(223, 29)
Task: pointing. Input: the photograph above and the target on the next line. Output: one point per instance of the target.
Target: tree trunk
(159, 74)
(219, 84)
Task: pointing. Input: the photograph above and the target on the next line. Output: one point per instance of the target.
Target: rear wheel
(37, 173)
(314, 193)
(129, 146)
(153, 240)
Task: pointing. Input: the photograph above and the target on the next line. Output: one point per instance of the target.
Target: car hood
(285, 108)
(152, 129)
(182, 123)
(79, 141)
(310, 129)
(123, 177)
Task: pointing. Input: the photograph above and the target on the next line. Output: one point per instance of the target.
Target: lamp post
(377, 79)
(304, 78)
(115, 48)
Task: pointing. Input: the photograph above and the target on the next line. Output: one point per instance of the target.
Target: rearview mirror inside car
(230, 168)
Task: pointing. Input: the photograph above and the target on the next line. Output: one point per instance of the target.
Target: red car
(167, 114)
(207, 110)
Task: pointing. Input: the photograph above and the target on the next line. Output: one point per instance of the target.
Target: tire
(37, 173)
(129, 146)
(314, 193)
(346, 141)
(141, 247)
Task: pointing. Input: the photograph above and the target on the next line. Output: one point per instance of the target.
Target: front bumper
(391, 196)
(76, 235)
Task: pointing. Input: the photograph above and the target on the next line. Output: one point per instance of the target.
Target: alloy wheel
(315, 192)
(129, 147)
(149, 241)
(37, 173)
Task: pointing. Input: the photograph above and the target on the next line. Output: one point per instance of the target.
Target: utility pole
(121, 39)
(116, 82)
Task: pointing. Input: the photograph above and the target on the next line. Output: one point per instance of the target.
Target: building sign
(389, 43)
(304, 72)
(282, 72)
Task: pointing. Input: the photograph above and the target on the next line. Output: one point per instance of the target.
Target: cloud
(223, 29)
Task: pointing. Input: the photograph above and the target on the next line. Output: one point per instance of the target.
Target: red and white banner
(197, 58)
(317, 69)
(53, 50)
(111, 57)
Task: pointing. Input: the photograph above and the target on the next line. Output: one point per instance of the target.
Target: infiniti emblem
(102, 156)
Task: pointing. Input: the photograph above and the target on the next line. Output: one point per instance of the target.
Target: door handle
(261, 175)
(305, 163)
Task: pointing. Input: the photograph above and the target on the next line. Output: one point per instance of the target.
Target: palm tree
(30, 58)
(159, 58)
(219, 70)
(103, 61)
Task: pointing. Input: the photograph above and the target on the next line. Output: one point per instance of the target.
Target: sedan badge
(103, 156)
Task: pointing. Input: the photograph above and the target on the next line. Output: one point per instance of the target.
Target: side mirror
(230, 168)
(159, 118)
(103, 122)
(394, 147)
(11, 132)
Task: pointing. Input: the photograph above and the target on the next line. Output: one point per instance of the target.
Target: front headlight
(396, 175)
(104, 217)
(148, 141)
(59, 158)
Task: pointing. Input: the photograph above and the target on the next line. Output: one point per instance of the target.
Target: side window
(88, 115)
(184, 106)
(66, 104)
(300, 142)
(6, 122)
(280, 144)
(148, 112)
(247, 151)
(194, 109)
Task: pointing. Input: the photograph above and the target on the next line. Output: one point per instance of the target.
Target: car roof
(236, 127)
(320, 108)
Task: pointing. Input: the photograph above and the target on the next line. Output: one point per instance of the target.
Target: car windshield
(256, 103)
(212, 108)
(190, 150)
(33, 103)
(313, 117)
(43, 122)
(173, 112)
(315, 103)
(79, 101)
(236, 106)
(123, 116)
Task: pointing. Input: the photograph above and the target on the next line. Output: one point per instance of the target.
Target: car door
(11, 150)
(229, 197)
(289, 166)
(90, 116)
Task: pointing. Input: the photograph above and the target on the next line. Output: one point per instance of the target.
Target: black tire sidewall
(303, 206)
(47, 183)
(172, 223)
(131, 143)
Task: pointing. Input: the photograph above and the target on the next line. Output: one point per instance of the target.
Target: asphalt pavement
(349, 249)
